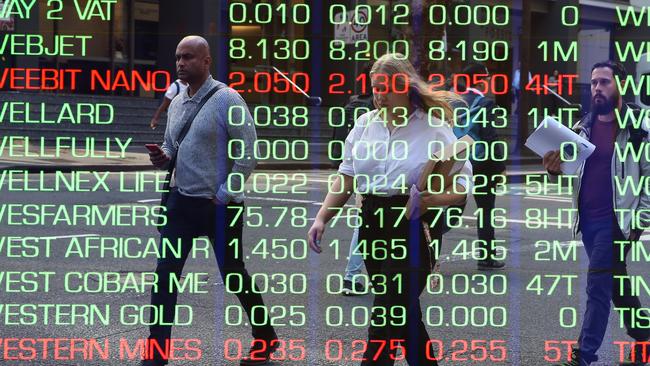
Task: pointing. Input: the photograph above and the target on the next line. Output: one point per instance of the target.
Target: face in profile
(604, 94)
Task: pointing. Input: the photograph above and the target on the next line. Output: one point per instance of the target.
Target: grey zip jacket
(624, 197)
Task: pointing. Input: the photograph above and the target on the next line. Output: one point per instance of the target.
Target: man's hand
(158, 159)
(552, 162)
(154, 123)
(315, 235)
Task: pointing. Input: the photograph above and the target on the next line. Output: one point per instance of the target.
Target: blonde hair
(420, 93)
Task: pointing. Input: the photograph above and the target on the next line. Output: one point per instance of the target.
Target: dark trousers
(189, 218)
(485, 199)
(413, 269)
(598, 237)
(516, 99)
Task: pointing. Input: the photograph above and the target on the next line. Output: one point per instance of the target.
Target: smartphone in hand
(157, 155)
(154, 148)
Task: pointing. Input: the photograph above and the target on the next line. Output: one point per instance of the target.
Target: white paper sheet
(551, 135)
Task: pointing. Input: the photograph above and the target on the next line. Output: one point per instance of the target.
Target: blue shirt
(203, 164)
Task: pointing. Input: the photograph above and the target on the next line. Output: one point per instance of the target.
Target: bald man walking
(203, 202)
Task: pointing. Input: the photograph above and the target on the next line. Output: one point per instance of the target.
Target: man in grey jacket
(202, 203)
(610, 216)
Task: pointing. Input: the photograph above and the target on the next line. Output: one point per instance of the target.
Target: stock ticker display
(349, 102)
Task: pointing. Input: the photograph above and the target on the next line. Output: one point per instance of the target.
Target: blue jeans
(355, 260)
(598, 237)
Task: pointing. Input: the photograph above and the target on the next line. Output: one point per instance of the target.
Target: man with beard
(607, 235)
(204, 201)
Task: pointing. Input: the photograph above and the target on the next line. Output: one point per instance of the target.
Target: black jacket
(488, 133)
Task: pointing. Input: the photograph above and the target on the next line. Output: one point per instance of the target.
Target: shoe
(490, 264)
(152, 363)
(261, 358)
(359, 288)
(575, 360)
(636, 356)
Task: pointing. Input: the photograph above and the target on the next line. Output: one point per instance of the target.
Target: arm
(246, 133)
(344, 183)
(162, 108)
(644, 198)
(451, 196)
(162, 161)
(325, 214)
(552, 163)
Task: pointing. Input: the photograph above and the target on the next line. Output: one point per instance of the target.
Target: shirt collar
(415, 116)
(203, 90)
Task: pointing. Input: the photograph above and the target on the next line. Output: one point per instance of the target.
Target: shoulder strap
(469, 112)
(477, 100)
(186, 128)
